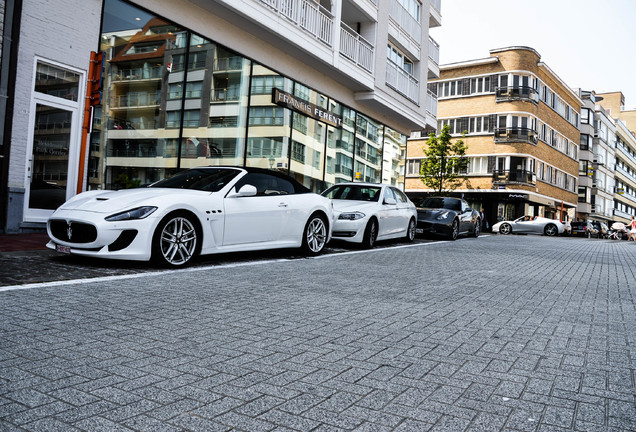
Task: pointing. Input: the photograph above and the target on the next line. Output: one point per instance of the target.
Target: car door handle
(282, 204)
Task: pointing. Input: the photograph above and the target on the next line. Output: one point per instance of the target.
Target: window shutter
(466, 86)
(491, 164)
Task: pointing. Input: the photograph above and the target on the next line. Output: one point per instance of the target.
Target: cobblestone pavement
(514, 333)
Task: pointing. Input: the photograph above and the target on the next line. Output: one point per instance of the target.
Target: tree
(445, 161)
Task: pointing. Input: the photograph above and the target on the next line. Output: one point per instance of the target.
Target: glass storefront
(172, 99)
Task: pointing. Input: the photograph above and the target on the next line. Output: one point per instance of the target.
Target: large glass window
(269, 124)
(173, 99)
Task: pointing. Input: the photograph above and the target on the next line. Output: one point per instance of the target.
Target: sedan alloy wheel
(315, 236)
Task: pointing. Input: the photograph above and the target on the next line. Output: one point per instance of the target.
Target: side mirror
(390, 201)
(246, 191)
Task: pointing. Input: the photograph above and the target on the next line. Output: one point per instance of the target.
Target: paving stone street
(499, 333)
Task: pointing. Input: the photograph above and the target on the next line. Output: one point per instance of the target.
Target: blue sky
(589, 44)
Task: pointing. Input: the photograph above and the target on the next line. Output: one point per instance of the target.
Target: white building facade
(324, 91)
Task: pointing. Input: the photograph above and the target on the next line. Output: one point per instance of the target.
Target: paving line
(195, 269)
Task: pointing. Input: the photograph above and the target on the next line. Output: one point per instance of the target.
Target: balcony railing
(409, 25)
(135, 100)
(431, 103)
(515, 134)
(138, 73)
(514, 176)
(308, 15)
(402, 81)
(517, 93)
(228, 94)
(433, 50)
(356, 48)
(228, 64)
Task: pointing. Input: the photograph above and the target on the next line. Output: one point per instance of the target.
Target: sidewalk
(23, 242)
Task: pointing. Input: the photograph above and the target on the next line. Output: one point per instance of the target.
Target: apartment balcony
(500, 177)
(515, 134)
(132, 100)
(228, 64)
(356, 48)
(402, 82)
(507, 94)
(626, 153)
(137, 74)
(231, 94)
(307, 15)
(431, 103)
(433, 58)
(405, 29)
(435, 14)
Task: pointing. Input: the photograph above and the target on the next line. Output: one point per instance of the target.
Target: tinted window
(266, 184)
(447, 203)
(353, 192)
(399, 195)
(208, 179)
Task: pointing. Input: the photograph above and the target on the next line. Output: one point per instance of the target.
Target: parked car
(602, 228)
(584, 229)
(448, 217)
(366, 212)
(199, 211)
(530, 225)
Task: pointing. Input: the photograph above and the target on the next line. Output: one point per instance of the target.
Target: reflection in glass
(51, 139)
(214, 119)
(368, 150)
(269, 124)
(141, 115)
(56, 82)
(394, 146)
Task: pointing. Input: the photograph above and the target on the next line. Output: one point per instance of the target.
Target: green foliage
(444, 162)
(122, 181)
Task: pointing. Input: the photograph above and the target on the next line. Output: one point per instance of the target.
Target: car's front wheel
(315, 235)
(176, 240)
(370, 234)
(505, 229)
(551, 230)
(454, 232)
(410, 231)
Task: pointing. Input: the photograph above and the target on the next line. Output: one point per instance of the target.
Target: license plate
(419, 231)
(63, 249)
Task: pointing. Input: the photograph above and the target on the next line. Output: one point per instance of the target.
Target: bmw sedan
(447, 217)
(366, 212)
(199, 211)
(530, 225)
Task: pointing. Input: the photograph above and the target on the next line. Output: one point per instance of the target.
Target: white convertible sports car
(199, 211)
(366, 212)
(530, 225)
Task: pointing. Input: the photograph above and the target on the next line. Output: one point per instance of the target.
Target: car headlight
(351, 216)
(138, 213)
(442, 216)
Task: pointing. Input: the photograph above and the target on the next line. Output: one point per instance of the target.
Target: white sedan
(199, 211)
(530, 225)
(367, 212)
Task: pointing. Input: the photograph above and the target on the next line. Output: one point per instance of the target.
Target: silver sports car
(530, 225)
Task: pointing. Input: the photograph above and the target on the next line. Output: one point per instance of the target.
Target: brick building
(521, 125)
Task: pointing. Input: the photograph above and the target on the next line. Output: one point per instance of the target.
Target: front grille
(79, 232)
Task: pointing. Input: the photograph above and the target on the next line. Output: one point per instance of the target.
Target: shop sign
(518, 196)
(316, 112)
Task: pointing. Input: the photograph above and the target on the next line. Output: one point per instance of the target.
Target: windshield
(353, 193)
(203, 179)
(446, 203)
